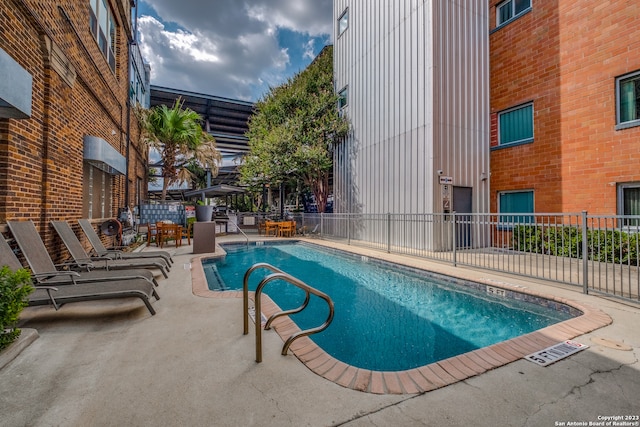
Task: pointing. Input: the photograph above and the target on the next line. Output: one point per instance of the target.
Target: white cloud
(227, 47)
(308, 49)
(310, 16)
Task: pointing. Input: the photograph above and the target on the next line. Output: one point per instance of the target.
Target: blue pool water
(386, 319)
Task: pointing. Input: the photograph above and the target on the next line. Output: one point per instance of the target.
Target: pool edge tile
(392, 383)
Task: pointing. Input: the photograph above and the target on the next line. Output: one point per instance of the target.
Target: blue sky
(231, 48)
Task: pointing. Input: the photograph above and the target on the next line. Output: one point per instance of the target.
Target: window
(515, 202)
(515, 126)
(96, 197)
(103, 28)
(510, 9)
(343, 97)
(343, 22)
(138, 87)
(629, 203)
(628, 96)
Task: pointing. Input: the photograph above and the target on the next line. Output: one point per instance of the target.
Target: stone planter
(204, 213)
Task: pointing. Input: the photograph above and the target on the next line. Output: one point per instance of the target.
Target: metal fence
(597, 252)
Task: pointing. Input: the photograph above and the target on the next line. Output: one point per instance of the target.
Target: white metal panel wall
(417, 74)
(461, 95)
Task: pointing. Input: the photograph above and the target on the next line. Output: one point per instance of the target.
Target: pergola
(219, 190)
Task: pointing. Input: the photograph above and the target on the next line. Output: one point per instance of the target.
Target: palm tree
(177, 135)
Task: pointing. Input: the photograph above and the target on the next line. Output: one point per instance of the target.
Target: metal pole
(388, 232)
(282, 200)
(585, 255)
(454, 235)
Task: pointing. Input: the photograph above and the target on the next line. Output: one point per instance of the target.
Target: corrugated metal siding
(418, 76)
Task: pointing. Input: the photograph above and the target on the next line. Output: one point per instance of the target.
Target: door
(462, 204)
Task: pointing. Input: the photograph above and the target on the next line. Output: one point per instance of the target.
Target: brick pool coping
(425, 378)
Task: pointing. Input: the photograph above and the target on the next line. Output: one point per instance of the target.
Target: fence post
(585, 255)
(321, 223)
(348, 229)
(453, 234)
(388, 232)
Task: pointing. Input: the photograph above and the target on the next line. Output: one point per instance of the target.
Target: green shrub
(15, 287)
(563, 241)
(613, 246)
(528, 238)
(566, 241)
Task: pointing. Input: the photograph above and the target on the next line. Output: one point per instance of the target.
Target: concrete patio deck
(113, 364)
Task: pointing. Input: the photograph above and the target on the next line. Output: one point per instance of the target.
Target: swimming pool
(386, 318)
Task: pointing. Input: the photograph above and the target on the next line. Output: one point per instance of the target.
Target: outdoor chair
(270, 226)
(44, 271)
(68, 292)
(186, 233)
(152, 233)
(84, 260)
(314, 232)
(102, 251)
(261, 226)
(286, 228)
(168, 232)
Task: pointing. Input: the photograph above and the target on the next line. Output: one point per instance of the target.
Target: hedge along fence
(15, 288)
(612, 246)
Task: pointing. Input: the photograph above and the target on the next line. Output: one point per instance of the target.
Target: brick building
(69, 143)
(565, 106)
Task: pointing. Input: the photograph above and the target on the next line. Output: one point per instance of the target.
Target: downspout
(131, 41)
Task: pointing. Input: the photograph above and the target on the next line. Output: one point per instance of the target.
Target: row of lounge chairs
(106, 275)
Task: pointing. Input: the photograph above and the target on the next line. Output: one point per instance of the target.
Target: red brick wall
(41, 158)
(564, 55)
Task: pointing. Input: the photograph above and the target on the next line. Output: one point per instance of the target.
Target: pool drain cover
(556, 352)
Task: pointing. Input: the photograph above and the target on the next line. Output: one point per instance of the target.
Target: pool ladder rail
(279, 275)
(246, 238)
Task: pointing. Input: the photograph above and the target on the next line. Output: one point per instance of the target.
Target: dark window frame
(634, 76)
(345, 16)
(514, 14)
(622, 206)
(343, 97)
(527, 140)
(105, 37)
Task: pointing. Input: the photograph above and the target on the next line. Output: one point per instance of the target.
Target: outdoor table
(166, 232)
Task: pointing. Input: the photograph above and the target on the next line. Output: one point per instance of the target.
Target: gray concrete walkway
(113, 364)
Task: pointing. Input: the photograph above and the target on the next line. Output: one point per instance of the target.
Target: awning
(15, 89)
(215, 191)
(102, 155)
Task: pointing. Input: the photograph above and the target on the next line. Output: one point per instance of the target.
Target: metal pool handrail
(279, 275)
(240, 230)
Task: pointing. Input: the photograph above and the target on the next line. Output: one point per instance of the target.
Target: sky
(231, 48)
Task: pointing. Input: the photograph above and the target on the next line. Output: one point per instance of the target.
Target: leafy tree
(152, 177)
(176, 133)
(292, 134)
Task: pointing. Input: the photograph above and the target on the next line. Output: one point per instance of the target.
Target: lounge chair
(82, 258)
(102, 251)
(314, 232)
(63, 293)
(44, 271)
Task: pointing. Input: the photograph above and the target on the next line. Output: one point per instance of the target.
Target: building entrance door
(462, 204)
